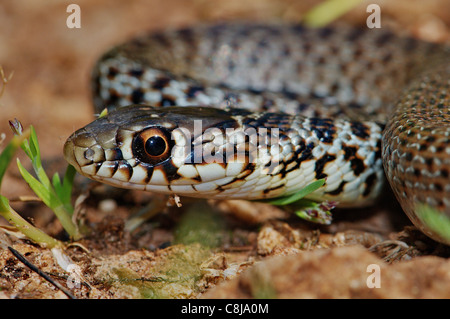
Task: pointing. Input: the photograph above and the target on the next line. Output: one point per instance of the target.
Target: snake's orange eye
(152, 145)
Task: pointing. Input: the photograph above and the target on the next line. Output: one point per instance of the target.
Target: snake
(259, 111)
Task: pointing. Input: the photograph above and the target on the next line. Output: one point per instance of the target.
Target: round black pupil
(155, 146)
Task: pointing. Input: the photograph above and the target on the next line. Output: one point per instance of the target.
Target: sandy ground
(50, 90)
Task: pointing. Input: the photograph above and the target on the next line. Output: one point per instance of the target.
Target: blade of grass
(64, 191)
(285, 200)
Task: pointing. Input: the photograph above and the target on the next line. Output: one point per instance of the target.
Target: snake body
(261, 111)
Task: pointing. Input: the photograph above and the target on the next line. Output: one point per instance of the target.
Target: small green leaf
(327, 11)
(69, 177)
(44, 193)
(34, 147)
(438, 222)
(285, 200)
(64, 190)
(103, 113)
(36, 159)
(56, 181)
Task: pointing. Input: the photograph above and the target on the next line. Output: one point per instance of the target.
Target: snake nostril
(93, 154)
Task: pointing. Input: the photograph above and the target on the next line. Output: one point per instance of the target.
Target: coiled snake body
(206, 122)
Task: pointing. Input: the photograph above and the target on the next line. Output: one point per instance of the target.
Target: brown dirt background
(50, 90)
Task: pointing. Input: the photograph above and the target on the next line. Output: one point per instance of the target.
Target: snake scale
(260, 111)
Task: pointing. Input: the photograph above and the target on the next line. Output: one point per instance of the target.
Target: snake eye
(152, 145)
(155, 146)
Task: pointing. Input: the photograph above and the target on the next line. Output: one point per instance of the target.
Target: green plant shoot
(54, 194)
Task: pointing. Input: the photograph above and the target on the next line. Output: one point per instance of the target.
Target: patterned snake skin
(353, 101)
